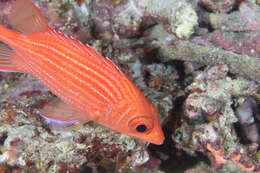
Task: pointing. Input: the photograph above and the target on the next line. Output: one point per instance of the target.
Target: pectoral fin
(61, 115)
(6, 59)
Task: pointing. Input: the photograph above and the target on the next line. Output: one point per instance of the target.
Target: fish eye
(141, 128)
(141, 124)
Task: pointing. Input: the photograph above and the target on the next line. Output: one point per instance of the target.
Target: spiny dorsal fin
(27, 18)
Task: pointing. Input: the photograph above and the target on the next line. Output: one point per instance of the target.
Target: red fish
(91, 87)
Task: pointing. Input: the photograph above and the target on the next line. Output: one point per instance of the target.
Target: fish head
(142, 122)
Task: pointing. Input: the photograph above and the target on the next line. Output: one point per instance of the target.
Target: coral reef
(197, 61)
(130, 16)
(242, 65)
(28, 143)
(208, 109)
(246, 19)
(240, 43)
(247, 114)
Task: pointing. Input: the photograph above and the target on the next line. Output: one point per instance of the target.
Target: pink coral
(239, 159)
(240, 43)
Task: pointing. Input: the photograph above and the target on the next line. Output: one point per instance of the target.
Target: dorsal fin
(27, 18)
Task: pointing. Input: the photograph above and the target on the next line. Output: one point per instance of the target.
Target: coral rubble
(209, 110)
(197, 61)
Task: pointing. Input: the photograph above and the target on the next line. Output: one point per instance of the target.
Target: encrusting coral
(208, 109)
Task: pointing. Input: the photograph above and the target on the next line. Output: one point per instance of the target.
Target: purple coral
(247, 113)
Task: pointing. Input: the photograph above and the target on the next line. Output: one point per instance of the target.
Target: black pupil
(141, 128)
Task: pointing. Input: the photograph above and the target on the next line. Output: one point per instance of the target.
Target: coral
(157, 81)
(221, 6)
(203, 50)
(246, 19)
(240, 43)
(154, 78)
(110, 19)
(218, 154)
(246, 113)
(69, 17)
(242, 65)
(130, 16)
(206, 88)
(208, 109)
(220, 158)
(26, 140)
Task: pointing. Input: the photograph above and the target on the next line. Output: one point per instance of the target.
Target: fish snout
(156, 136)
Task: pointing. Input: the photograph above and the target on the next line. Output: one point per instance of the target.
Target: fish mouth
(159, 142)
(156, 136)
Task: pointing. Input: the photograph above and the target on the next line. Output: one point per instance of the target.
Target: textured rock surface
(205, 87)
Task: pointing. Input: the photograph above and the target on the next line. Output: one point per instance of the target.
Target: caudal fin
(27, 18)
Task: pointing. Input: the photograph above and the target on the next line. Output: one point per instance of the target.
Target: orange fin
(61, 115)
(27, 18)
(6, 56)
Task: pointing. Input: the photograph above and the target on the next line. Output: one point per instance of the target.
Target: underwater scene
(129, 86)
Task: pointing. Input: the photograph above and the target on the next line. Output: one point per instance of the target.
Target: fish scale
(86, 49)
(94, 69)
(58, 80)
(79, 78)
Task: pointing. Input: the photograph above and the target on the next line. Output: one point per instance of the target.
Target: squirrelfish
(90, 86)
